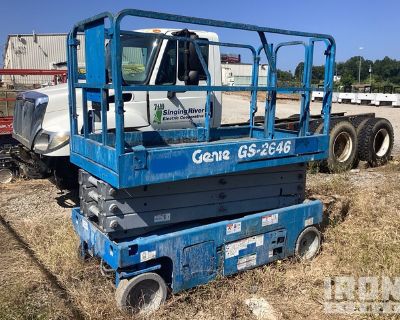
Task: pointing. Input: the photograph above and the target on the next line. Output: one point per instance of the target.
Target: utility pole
(370, 75)
(359, 67)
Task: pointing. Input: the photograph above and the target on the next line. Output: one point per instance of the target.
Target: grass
(361, 238)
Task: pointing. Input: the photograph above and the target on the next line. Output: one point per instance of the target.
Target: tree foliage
(385, 71)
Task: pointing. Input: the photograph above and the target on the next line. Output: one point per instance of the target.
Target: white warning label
(164, 217)
(233, 228)
(247, 261)
(309, 222)
(85, 225)
(232, 249)
(269, 220)
(147, 255)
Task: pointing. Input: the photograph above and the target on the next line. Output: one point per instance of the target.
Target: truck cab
(41, 117)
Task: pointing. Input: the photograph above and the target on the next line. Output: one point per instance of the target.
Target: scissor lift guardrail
(127, 159)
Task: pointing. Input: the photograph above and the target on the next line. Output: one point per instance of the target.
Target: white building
(36, 51)
(239, 74)
(49, 51)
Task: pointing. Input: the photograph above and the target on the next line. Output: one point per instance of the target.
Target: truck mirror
(194, 61)
(193, 78)
(191, 61)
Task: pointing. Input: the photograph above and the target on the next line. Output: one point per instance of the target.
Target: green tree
(346, 80)
(384, 72)
(284, 75)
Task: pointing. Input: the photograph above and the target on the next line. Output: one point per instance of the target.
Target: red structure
(60, 76)
(6, 125)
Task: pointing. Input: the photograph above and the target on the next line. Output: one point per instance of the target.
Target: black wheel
(308, 243)
(376, 141)
(358, 123)
(32, 172)
(342, 147)
(142, 294)
(82, 252)
(314, 127)
(6, 175)
(65, 174)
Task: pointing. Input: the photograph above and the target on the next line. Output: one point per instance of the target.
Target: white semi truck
(41, 117)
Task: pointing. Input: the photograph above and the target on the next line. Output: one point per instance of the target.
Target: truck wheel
(342, 147)
(358, 123)
(143, 293)
(6, 175)
(308, 243)
(376, 142)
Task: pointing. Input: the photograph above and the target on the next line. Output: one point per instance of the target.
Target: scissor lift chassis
(188, 253)
(192, 255)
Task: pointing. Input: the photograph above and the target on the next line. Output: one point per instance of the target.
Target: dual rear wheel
(368, 139)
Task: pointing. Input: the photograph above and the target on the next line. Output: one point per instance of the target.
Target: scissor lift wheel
(308, 243)
(141, 294)
(82, 252)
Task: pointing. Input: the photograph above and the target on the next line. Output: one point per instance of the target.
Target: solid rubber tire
(125, 287)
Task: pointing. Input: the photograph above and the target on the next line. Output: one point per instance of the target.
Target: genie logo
(198, 157)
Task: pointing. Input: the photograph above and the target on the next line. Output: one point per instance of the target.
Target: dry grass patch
(361, 240)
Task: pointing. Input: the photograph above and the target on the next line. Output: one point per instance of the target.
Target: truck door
(169, 110)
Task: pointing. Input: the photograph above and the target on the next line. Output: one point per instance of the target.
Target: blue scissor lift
(191, 251)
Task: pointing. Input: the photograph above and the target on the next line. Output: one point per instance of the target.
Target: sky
(372, 25)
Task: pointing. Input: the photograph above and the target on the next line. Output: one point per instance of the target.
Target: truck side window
(167, 71)
(138, 54)
(181, 68)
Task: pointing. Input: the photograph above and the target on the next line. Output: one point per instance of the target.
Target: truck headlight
(46, 142)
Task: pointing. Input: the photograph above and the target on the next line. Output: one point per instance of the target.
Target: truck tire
(358, 123)
(6, 176)
(376, 141)
(342, 147)
(142, 294)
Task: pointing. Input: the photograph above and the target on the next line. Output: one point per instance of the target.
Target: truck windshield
(138, 54)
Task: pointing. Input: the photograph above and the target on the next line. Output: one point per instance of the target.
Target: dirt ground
(41, 277)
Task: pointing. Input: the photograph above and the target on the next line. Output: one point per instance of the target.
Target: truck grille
(29, 111)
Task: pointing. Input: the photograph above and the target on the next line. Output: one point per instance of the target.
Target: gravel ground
(235, 109)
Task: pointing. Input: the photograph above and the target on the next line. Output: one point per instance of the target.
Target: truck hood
(59, 97)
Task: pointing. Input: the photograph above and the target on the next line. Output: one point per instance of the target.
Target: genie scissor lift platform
(176, 207)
